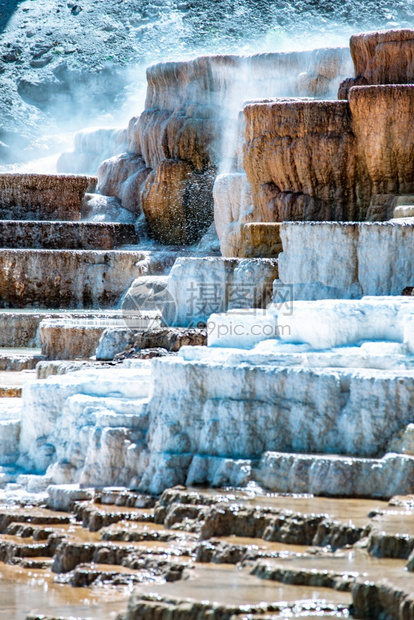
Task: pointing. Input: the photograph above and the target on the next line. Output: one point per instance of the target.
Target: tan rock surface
(66, 278)
(187, 129)
(177, 202)
(300, 158)
(260, 240)
(43, 196)
(321, 160)
(382, 123)
(385, 57)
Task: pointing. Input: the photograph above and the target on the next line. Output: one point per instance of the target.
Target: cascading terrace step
(56, 235)
(78, 338)
(19, 359)
(318, 474)
(73, 278)
(20, 333)
(43, 196)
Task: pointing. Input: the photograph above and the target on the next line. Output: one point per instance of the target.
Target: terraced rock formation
(214, 554)
(188, 129)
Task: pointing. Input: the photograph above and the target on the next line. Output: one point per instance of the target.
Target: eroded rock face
(384, 57)
(189, 125)
(260, 240)
(300, 159)
(123, 177)
(177, 202)
(320, 160)
(381, 121)
(67, 278)
(43, 196)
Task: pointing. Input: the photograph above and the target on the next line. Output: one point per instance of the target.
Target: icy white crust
(335, 399)
(323, 260)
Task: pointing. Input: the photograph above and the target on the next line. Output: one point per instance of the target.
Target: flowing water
(30, 587)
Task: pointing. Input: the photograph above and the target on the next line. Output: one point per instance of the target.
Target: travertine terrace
(263, 464)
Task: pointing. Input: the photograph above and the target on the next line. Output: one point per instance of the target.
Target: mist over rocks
(67, 65)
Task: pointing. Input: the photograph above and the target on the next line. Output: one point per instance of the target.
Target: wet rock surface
(228, 552)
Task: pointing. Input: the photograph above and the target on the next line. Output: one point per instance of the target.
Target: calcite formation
(42, 196)
(340, 160)
(20, 234)
(187, 128)
(301, 405)
(300, 159)
(67, 278)
(233, 205)
(381, 121)
(197, 287)
(384, 57)
(323, 260)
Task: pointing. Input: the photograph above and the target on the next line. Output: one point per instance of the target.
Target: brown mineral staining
(300, 159)
(177, 202)
(382, 123)
(384, 57)
(324, 160)
(227, 552)
(67, 278)
(176, 144)
(43, 196)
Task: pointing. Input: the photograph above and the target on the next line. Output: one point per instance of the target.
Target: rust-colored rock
(177, 202)
(185, 131)
(300, 158)
(63, 340)
(43, 196)
(385, 57)
(382, 123)
(190, 134)
(321, 160)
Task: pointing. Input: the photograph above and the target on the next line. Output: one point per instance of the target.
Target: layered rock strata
(20, 234)
(265, 554)
(290, 401)
(384, 57)
(42, 196)
(67, 278)
(310, 161)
